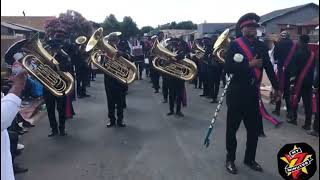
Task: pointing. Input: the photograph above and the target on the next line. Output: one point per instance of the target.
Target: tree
(110, 24)
(180, 25)
(146, 29)
(72, 22)
(128, 27)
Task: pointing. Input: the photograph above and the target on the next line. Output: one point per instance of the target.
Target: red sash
(68, 107)
(258, 74)
(285, 65)
(298, 85)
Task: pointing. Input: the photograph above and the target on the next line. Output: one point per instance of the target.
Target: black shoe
(262, 134)
(306, 127)
(202, 95)
(86, 95)
(231, 167)
(27, 124)
(156, 91)
(53, 133)
(18, 152)
(17, 169)
(170, 113)
(180, 114)
(254, 166)
(121, 124)
(111, 124)
(165, 101)
(294, 122)
(289, 116)
(63, 133)
(278, 125)
(313, 133)
(275, 112)
(214, 101)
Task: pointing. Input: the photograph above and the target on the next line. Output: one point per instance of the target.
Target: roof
(215, 27)
(14, 27)
(281, 12)
(35, 22)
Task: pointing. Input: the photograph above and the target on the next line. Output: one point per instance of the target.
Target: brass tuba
(198, 50)
(115, 66)
(184, 69)
(39, 63)
(221, 45)
(81, 40)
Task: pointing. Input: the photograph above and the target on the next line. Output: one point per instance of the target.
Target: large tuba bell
(115, 66)
(39, 63)
(221, 45)
(199, 51)
(184, 69)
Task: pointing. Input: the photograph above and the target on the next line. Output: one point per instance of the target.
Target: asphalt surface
(153, 146)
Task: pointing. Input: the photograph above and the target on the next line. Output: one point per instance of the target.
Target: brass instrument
(221, 44)
(114, 65)
(198, 50)
(166, 62)
(219, 47)
(81, 40)
(39, 63)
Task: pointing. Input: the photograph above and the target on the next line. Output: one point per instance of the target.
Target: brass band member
(245, 59)
(114, 89)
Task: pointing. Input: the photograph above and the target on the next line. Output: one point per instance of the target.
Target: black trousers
(306, 95)
(204, 76)
(52, 102)
(316, 119)
(115, 99)
(250, 116)
(155, 76)
(175, 96)
(165, 87)
(14, 138)
(82, 82)
(286, 97)
(214, 82)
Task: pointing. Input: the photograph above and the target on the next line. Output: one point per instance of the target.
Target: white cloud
(150, 12)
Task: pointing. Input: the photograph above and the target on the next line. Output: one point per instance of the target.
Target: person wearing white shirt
(10, 105)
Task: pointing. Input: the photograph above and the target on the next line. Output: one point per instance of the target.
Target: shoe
(262, 134)
(63, 133)
(313, 133)
(121, 124)
(289, 116)
(17, 169)
(20, 146)
(156, 91)
(18, 152)
(294, 122)
(86, 95)
(53, 133)
(165, 101)
(231, 167)
(306, 127)
(254, 166)
(27, 124)
(170, 113)
(111, 124)
(278, 125)
(202, 95)
(214, 101)
(180, 114)
(275, 112)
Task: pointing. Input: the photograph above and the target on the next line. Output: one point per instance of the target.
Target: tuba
(115, 66)
(184, 69)
(221, 45)
(198, 50)
(81, 40)
(39, 63)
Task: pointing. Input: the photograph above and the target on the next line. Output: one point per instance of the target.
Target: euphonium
(184, 69)
(39, 63)
(115, 66)
(221, 44)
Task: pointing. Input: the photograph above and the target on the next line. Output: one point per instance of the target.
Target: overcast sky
(149, 12)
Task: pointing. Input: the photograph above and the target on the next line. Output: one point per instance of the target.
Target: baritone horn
(45, 68)
(105, 57)
(221, 45)
(166, 62)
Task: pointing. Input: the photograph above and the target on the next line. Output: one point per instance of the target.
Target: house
(15, 28)
(212, 28)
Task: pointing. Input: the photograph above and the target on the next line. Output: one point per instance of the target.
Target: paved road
(152, 147)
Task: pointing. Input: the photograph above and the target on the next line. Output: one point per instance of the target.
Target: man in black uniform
(302, 76)
(245, 59)
(175, 85)
(153, 72)
(283, 53)
(114, 89)
(52, 101)
(82, 71)
(204, 69)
